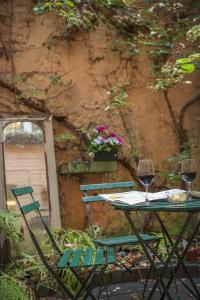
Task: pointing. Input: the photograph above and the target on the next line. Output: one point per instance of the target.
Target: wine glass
(145, 172)
(188, 173)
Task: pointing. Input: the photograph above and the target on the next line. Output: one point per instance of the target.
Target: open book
(134, 197)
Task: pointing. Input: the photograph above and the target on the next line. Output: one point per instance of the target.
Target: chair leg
(86, 290)
(84, 285)
(89, 287)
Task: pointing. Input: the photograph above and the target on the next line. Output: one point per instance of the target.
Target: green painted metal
(92, 199)
(146, 252)
(30, 207)
(106, 186)
(161, 205)
(112, 241)
(69, 259)
(99, 257)
(64, 261)
(87, 260)
(22, 191)
(76, 258)
(110, 256)
(125, 240)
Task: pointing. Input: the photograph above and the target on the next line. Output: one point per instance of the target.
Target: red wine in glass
(188, 176)
(188, 172)
(146, 173)
(146, 179)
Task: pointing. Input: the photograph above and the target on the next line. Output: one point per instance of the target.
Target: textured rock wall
(88, 68)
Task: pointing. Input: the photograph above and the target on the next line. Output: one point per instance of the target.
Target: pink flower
(112, 134)
(119, 139)
(101, 128)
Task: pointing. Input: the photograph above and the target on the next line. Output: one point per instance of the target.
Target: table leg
(145, 249)
(181, 257)
(169, 257)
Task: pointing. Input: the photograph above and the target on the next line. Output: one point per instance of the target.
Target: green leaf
(187, 68)
(183, 61)
(70, 3)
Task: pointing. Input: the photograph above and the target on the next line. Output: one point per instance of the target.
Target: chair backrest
(34, 206)
(99, 187)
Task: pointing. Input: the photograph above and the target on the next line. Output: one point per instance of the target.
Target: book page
(135, 197)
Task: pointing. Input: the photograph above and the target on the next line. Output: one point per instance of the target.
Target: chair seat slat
(106, 186)
(110, 256)
(64, 261)
(129, 239)
(99, 257)
(30, 207)
(87, 261)
(76, 258)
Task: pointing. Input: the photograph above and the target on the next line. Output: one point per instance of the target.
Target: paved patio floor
(133, 291)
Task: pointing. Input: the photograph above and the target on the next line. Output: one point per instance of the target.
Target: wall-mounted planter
(105, 156)
(79, 167)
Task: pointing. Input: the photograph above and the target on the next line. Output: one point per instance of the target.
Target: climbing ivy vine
(165, 32)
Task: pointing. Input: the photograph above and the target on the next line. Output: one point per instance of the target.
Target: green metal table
(190, 208)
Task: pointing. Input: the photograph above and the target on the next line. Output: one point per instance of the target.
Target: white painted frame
(52, 181)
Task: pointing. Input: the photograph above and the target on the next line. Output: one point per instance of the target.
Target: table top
(160, 205)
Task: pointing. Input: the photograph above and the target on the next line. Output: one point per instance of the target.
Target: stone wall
(88, 68)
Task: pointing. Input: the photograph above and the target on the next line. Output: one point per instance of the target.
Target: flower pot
(105, 156)
(192, 254)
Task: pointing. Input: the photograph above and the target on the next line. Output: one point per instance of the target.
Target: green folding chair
(152, 241)
(74, 259)
(88, 199)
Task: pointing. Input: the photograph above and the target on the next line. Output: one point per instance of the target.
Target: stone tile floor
(133, 291)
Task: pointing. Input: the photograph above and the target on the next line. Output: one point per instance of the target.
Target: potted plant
(103, 145)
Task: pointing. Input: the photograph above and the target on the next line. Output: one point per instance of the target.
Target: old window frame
(52, 181)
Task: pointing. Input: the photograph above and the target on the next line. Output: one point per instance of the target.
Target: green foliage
(194, 33)
(12, 78)
(32, 267)
(11, 228)
(141, 31)
(65, 137)
(55, 79)
(119, 95)
(172, 176)
(127, 48)
(72, 238)
(13, 289)
(77, 14)
(171, 75)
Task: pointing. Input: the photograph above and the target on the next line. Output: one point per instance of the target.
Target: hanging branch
(184, 108)
(172, 114)
(40, 106)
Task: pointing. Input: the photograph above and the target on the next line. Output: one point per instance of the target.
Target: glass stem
(146, 198)
(189, 190)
